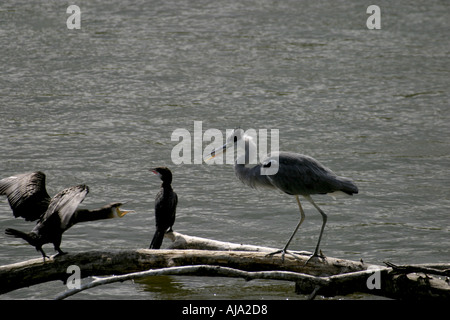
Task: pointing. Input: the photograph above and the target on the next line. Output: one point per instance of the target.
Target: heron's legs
(302, 217)
(324, 221)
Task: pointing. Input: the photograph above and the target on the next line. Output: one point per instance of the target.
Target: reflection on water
(213, 288)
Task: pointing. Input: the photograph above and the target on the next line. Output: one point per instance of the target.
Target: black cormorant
(165, 206)
(28, 198)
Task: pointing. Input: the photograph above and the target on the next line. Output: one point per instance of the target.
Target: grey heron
(296, 175)
(166, 202)
(28, 198)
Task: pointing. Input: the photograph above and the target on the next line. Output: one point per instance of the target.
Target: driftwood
(329, 276)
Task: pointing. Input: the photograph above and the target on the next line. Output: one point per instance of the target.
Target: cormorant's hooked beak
(120, 213)
(155, 172)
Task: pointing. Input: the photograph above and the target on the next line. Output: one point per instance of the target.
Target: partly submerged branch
(198, 270)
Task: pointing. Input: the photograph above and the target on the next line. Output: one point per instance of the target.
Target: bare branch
(203, 270)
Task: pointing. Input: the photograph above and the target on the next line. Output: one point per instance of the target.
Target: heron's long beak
(218, 151)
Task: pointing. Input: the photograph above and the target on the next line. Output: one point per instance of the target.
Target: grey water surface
(98, 105)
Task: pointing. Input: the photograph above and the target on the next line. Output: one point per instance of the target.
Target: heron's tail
(157, 239)
(348, 186)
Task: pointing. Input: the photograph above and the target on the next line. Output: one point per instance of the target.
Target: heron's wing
(26, 194)
(300, 174)
(64, 204)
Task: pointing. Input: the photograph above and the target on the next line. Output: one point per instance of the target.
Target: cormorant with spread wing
(28, 198)
(165, 206)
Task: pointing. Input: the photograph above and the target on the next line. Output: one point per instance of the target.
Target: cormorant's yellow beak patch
(121, 213)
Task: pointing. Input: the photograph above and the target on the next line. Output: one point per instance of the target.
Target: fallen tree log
(99, 263)
(329, 276)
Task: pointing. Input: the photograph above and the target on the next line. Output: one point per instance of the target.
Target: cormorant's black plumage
(26, 194)
(29, 199)
(165, 206)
